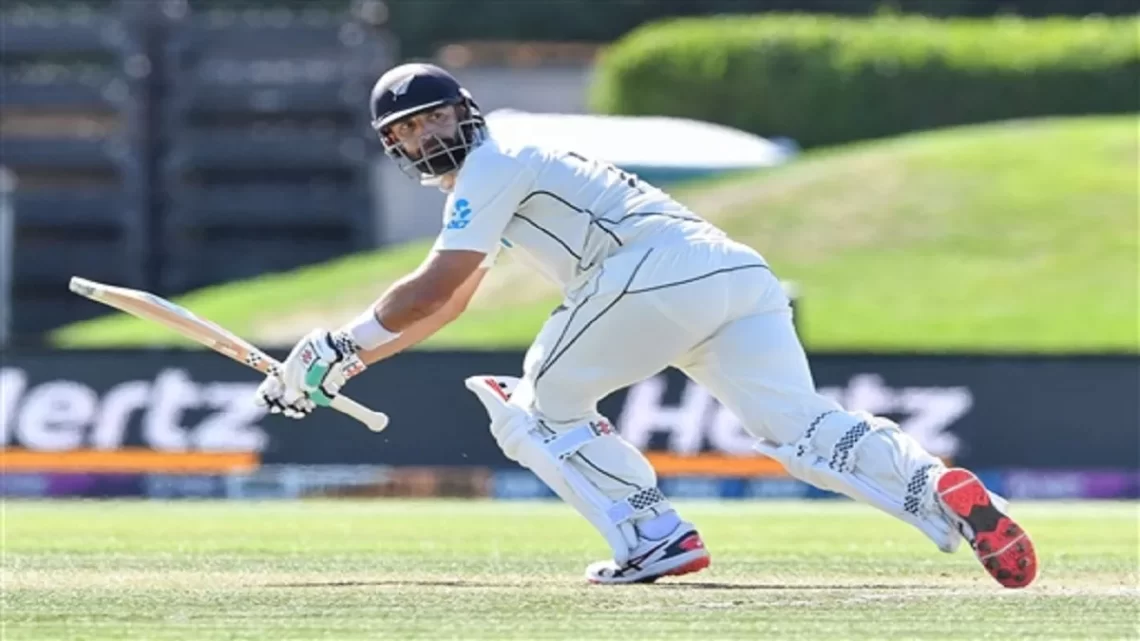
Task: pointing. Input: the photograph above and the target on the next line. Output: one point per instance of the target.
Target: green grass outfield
(1010, 236)
(389, 569)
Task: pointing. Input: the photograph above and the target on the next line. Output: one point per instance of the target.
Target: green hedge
(422, 26)
(826, 80)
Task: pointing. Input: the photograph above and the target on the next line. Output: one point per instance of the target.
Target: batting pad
(612, 489)
(868, 458)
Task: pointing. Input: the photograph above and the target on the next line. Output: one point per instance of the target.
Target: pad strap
(843, 452)
(842, 455)
(566, 444)
(636, 504)
(918, 490)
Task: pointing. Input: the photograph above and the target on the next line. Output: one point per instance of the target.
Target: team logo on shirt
(460, 214)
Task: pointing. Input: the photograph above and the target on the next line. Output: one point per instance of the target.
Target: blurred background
(949, 188)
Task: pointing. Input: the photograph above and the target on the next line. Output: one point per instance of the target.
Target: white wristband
(367, 331)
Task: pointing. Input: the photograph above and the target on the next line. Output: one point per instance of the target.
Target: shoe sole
(688, 567)
(1001, 545)
(695, 565)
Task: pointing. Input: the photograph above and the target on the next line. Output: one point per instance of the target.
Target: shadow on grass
(703, 585)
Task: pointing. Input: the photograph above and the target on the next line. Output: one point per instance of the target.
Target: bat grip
(376, 421)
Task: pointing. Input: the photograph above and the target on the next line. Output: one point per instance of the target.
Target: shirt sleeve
(487, 193)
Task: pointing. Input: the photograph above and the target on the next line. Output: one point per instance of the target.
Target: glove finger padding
(273, 395)
(269, 392)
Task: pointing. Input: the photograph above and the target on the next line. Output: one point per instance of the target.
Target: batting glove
(320, 364)
(313, 373)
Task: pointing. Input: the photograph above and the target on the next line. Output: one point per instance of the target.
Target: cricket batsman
(647, 284)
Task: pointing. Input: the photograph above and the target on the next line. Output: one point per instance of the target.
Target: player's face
(425, 132)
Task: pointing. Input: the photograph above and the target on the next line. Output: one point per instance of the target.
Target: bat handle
(376, 421)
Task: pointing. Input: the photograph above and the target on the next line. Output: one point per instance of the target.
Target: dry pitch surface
(486, 570)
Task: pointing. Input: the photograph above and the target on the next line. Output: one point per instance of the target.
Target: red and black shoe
(1002, 546)
(683, 552)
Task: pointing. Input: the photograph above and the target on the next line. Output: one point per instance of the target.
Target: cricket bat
(159, 310)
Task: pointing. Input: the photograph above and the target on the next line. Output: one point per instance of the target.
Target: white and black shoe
(682, 552)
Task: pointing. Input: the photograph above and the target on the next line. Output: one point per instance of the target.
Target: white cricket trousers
(711, 309)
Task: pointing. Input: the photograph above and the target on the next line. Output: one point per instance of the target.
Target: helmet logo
(401, 88)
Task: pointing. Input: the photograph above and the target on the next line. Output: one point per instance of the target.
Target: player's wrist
(368, 332)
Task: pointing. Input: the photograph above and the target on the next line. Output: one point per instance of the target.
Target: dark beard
(441, 161)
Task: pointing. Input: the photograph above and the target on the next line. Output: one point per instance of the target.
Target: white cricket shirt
(557, 211)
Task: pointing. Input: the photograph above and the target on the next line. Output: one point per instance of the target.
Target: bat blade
(156, 309)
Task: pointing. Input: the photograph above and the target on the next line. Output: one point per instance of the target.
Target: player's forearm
(407, 303)
(425, 327)
(415, 334)
(416, 306)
